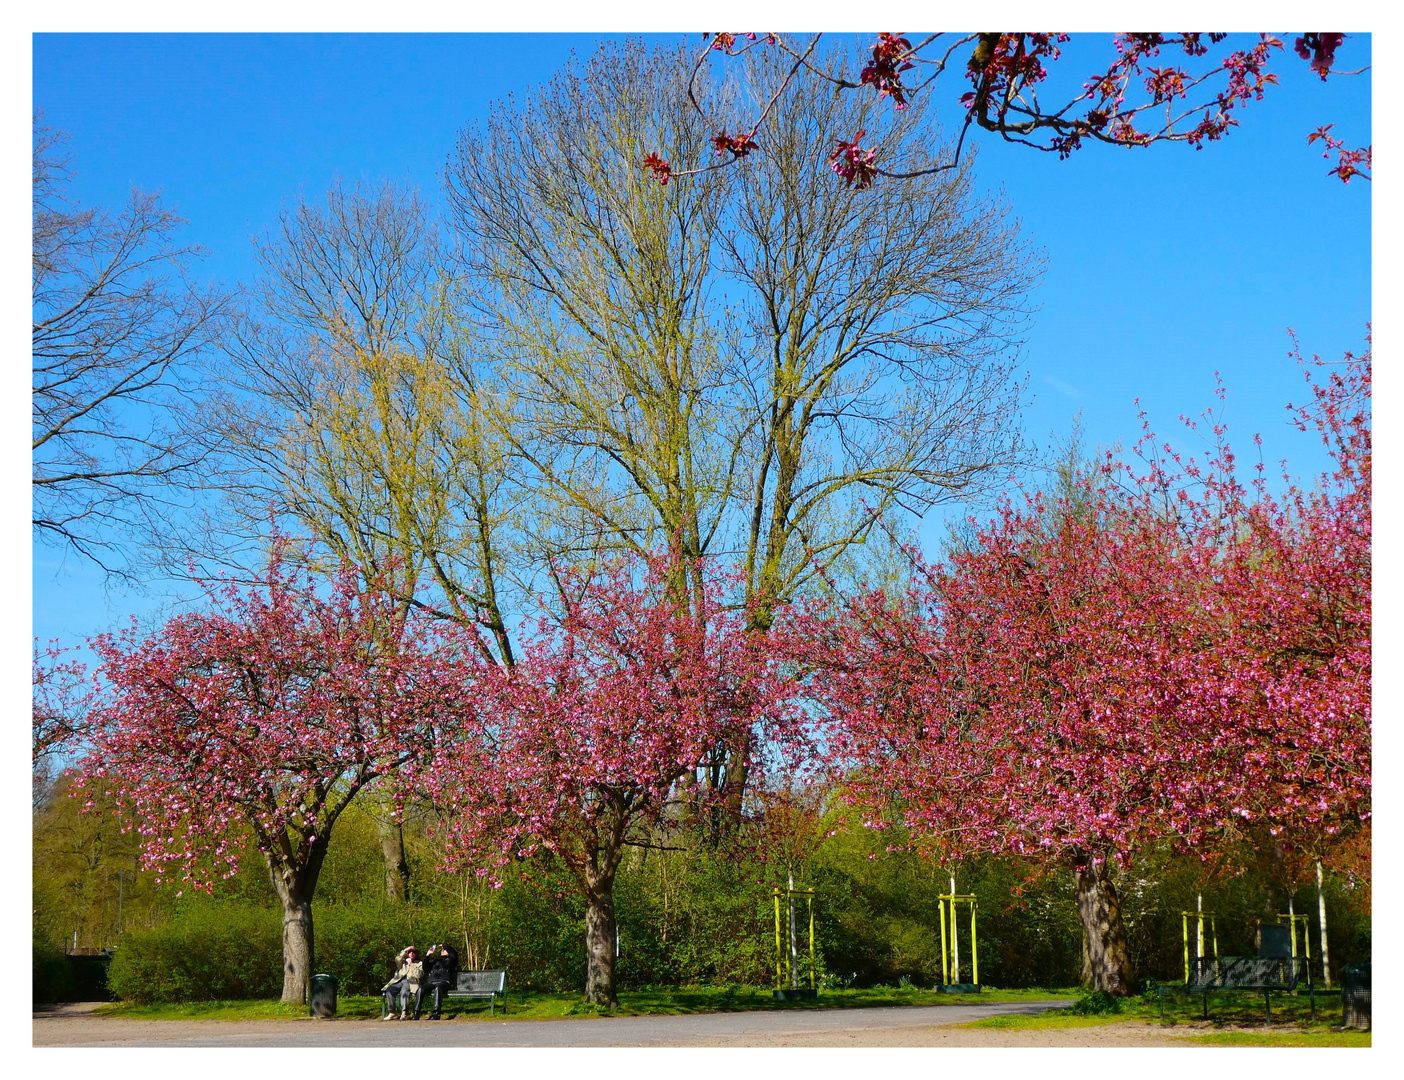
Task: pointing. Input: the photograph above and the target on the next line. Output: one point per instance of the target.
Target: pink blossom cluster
(1007, 73)
(850, 161)
(884, 71)
(1348, 162)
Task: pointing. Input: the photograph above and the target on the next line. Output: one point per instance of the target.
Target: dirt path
(933, 1026)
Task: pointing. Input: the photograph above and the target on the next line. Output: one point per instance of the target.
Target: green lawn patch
(204, 1010)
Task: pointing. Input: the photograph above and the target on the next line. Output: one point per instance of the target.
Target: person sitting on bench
(407, 981)
(441, 966)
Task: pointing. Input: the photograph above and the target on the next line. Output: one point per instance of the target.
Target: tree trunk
(297, 950)
(392, 847)
(295, 885)
(1104, 935)
(599, 940)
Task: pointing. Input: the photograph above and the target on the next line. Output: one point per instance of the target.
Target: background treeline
(690, 913)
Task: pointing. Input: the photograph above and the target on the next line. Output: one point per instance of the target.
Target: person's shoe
(388, 1016)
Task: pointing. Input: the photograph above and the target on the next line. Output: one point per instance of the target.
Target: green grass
(1285, 1038)
(1053, 1018)
(203, 1010)
(1293, 1035)
(539, 1006)
(1237, 1020)
(1246, 1009)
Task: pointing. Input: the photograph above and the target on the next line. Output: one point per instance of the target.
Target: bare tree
(880, 335)
(356, 404)
(592, 282)
(118, 331)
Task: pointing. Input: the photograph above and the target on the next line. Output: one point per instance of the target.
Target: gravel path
(75, 1025)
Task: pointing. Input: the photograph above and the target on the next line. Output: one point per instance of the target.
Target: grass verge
(1054, 1018)
(1285, 1038)
(539, 1006)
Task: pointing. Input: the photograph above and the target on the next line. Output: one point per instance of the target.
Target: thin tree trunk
(738, 772)
(955, 939)
(392, 847)
(794, 940)
(1321, 911)
(599, 940)
(1104, 934)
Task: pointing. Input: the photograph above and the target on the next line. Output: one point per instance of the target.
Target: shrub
(1097, 1003)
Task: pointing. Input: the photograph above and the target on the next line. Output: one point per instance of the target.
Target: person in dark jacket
(441, 968)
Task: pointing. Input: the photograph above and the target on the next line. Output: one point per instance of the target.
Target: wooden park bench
(1276, 967)
(481, 984)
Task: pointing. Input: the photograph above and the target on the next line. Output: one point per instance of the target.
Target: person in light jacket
(407, 982)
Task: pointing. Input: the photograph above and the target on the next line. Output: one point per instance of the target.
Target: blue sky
(1165, 265)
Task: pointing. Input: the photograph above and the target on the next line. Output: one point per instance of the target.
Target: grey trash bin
(1355, 996)
(321, 996)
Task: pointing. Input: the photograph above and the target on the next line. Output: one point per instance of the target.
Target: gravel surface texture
(76, 1025)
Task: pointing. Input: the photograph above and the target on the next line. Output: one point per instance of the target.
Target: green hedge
(208, 953)
(222, 950)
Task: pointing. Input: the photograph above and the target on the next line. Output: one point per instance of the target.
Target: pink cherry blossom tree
(586, 744)
(1003, 702)
(1180, 658)
(270, 712)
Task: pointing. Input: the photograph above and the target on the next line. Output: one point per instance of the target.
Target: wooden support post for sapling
(793, 990)
(812, 984)
(950, 955)
(974, 949)
(945, 971)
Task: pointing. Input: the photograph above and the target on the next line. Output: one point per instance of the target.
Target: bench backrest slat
(482, 981)
(1245, 972)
